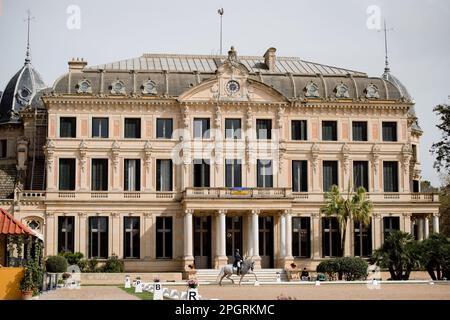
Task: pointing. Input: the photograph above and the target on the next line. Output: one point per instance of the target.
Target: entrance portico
(212, 236)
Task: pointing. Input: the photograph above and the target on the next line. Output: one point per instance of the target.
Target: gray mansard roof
(174, 74)
(19, 92)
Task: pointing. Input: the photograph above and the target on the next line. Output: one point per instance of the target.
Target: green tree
(441, 148)
(399, 253)
(434, 255)
(354, 207)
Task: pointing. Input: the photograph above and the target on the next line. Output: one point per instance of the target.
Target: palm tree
(355, 207)
(399, 253)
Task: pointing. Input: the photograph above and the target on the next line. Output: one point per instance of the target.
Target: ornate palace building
(172, 160)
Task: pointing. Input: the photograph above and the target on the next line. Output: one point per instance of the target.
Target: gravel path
(88, 293)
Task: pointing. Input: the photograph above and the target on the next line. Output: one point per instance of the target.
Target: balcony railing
(273, 193)
(110, 195)
(213, 193)
(375, 197)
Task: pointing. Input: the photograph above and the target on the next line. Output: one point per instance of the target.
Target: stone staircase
(264, 275)
(37, 182)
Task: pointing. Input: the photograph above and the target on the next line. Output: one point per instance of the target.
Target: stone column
(82, 234)
(377, 231)
(435, 223)
(116, 231)
(50, 237)
(147, 237)
(426, 227)
(221, 258)
(289, 257)
(282, 236)
(376, 167)
(316, 236)
(407, 222)
(255, 238)
(188, 255)
(420, 228)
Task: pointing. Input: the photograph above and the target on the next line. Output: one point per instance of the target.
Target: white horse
(228, 270)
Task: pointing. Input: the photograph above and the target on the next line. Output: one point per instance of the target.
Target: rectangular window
(164, 237)
(414, 152)
(3, 148)
(66, 174)
(299, 175)
(362, 239)
(298, 130)
(389, 131)
(67, 127)
(264, 174)
(331, 238)
(132, 177)
(163, 175)
(416, 186)
(132, 128)
(201, 173)
(99, 176)
(233, 129)
(390, 176)
(329, 130)
(131, 241)
(264, 129)
(164, 128)
(98, 237)
(233, 173)
(201, 128)
(330, 175)
(66, 234)
(100, 128)
(390, 224)
(359, 130)
(301, 237)
(361, 174)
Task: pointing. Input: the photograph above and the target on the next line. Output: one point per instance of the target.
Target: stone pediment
(232, 83)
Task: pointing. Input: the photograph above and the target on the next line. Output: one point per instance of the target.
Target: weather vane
(220, 12)
(28, 20)
(386, 59)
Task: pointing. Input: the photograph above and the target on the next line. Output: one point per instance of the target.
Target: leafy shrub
(330, 267)
(113, 265)
(56, 264)
(348, 268)
(83, 265)
(352, 268)
(92, 265)
(72, 257)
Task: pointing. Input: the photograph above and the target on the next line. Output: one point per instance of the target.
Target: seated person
(305, 275)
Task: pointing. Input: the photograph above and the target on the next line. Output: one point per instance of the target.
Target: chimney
(270, 58)
(77, 65)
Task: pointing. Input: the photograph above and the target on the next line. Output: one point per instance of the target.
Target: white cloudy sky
(326, 31)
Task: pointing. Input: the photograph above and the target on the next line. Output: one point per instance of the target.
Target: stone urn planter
(293, 273)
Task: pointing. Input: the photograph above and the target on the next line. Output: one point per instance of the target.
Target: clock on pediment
(232, 87)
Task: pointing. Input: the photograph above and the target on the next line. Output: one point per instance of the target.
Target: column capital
(436, 214)
(147, 214)
(407, 214)
(115, 214)
(315, 214)
(376, 215)
(188, 211)
(82, 214)
(286, 212)
(256, 211)
(49, 214)
(221, 212)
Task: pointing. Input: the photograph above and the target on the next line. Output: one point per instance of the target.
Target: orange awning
(9, 225)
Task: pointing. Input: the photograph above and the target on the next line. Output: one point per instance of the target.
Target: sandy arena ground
(88, 293)
(271, 292)
(328, 292)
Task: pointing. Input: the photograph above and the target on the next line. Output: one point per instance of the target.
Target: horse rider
(237, 261)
